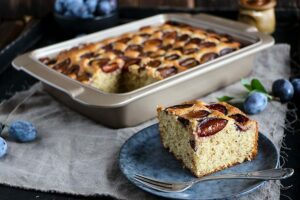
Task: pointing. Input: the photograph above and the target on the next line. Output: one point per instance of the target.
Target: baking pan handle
(47, 75)
(229, 23)
(63, 83)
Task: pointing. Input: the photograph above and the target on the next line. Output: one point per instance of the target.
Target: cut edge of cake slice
(208, 137)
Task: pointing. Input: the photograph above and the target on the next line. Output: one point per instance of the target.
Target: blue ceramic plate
(144, 154)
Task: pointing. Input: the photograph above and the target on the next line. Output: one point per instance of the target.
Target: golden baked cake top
(208, 119)
(162, 51)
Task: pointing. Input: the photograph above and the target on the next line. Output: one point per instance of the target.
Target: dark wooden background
(12, 9)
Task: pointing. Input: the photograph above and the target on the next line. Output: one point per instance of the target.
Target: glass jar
(259, 13)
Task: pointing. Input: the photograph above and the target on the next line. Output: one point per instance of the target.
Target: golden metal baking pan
(131, 108)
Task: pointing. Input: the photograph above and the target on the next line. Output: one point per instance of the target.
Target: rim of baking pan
(92, 96)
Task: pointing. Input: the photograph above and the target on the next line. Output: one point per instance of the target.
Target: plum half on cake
(208, 137)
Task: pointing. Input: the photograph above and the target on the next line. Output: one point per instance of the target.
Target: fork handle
(269, 174)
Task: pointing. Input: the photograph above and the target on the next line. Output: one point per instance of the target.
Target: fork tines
(153, 183)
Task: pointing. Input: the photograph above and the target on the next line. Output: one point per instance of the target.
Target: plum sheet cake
(208, 137)
(136, 59)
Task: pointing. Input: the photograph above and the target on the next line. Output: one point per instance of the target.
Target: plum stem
(273, 98)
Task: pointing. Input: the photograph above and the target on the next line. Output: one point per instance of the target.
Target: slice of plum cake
(208, 137)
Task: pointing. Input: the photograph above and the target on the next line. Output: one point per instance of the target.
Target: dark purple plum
(283, 89)
(255, 103)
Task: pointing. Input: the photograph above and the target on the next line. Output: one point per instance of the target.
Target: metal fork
(270, 174)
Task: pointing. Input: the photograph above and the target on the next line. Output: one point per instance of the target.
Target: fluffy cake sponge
(208, 137)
